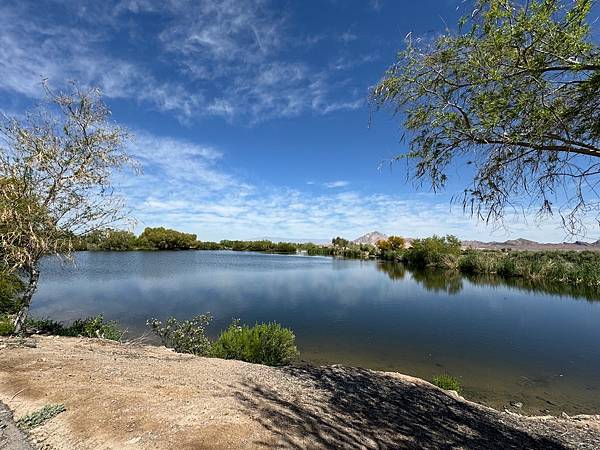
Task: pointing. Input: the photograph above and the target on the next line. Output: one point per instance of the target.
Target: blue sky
(249, 117)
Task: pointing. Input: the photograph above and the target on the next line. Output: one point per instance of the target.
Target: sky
(250, 118)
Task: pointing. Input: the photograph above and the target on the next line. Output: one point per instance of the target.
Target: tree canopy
(56, 168)
(513, 93)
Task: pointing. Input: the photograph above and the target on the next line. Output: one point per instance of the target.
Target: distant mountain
(370, 238)
(526, 244)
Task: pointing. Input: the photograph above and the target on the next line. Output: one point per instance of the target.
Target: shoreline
(141, 396)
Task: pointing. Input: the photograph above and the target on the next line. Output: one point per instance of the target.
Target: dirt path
(120, 396)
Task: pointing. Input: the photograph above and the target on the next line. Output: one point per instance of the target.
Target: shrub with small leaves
(188, 336)
(92, 327)
(95, 327)
(266, 343)
(40, 416)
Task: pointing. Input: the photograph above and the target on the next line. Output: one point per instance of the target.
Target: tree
(393, 243)
(166, 239)
(396, 242)
(515, 93)
(56, 169)
(340, 242)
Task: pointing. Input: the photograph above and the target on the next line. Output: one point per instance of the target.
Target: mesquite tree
(514, 94)
(56, 168)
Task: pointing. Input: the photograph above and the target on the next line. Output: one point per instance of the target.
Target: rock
(516, 404)
(564, 415)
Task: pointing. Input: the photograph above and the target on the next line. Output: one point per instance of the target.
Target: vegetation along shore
(571, 267)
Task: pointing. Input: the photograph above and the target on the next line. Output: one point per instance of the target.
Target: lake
(505, 342)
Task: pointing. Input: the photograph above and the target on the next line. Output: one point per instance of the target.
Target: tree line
(161, 238)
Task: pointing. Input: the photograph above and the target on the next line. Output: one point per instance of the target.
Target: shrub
(447, 382)
(269, 344)
(6, 326)
(40, 416)
(93, 327)
(188, 336)
(434, 251)
(10, 288)
(45, 326)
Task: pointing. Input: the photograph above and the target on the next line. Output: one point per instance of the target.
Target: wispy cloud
(337, 184)
(207, 58)
(185, 185)
(347, 37)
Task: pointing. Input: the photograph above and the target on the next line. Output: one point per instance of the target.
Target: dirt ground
(120, 396)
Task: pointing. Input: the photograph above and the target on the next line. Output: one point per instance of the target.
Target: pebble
(517, 404)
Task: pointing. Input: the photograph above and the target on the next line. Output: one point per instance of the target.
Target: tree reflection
(395, 271)
(452, 282)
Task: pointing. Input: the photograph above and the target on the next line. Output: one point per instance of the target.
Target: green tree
(340, 242)
(433, 251)
(515, 93)
(166, 239)
(56, 169)
(118, 240)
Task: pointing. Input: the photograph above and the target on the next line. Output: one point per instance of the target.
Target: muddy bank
(132, 396)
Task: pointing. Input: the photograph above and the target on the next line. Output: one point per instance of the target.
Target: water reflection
(452, 282)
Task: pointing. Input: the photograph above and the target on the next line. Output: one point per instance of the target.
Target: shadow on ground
(356, 408)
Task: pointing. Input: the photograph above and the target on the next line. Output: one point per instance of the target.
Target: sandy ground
(121, 396)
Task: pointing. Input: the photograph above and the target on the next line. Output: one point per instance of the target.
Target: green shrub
(40, 416)
(10, 288)
(45, 326)
(269, 344)
(6, 326)
(447, 382)
(440, 252)
(92, 327)
(188, 336)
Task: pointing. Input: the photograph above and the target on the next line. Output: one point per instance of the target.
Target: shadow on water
(357, 408)
(452, 282)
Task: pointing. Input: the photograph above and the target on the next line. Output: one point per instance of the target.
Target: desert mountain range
(515, 244)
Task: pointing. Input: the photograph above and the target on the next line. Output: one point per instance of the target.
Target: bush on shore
(269, 344)
(188, 336)
(435, 251)
(266, 343)
(92, 327)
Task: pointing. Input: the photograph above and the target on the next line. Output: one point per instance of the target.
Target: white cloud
(184, 186)
(336, 184)
(210, 58)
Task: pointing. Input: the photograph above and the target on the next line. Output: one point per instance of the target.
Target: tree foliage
(56, 168)
(433, 251)
(340, 242)
(166, 239)
(515, 93)
(392, 243)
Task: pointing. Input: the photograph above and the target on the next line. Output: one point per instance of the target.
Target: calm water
(505, 343)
